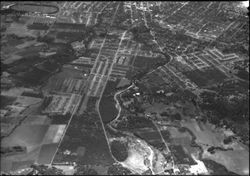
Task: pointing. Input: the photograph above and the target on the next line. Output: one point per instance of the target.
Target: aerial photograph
(124, 88)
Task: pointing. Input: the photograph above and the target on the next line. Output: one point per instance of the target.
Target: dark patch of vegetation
(166, 135)
(108, 110)
(85, 130)
(11, 11)
(69, 36)
(3, 67)
(158, 145)
(6, 100)
(46, 39)
(60, 119)
(227, 140)
(32, 71)
(119, 150)
(134, 122)
(7, 151)
(107, 107)
(38, 26)
(33, 77)
(243, 74)
(33, 94)
(212, 149)
(180, 157)
(206, 78)
(118, 170)
(85, 170)
(165, 114)
(221, 107)
(233, 113)
(46, 102)
(176, 116)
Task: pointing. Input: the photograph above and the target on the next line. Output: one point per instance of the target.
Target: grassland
(37, 135)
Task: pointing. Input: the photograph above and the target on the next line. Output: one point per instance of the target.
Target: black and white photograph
(124, 88)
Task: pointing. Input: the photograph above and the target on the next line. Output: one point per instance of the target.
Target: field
(17, 48)
(151, 136)
(36, 120)
(205, 78)
(21, 30)
(236, 161)
(69, 36)
(107, 107)
(59, 81)
(85, 131)
(205, 133)
(24, 65)
(146, 62)
(38, 26)
(119, 150)
(34, 77)
(25, 135)
(54, 134)
(27, 101)
(6, 100)
(181, 156)
(60, 119)
(21, 164)
(68, 85)
(37, 135)
(46, 153)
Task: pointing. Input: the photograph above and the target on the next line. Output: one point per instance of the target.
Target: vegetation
(85, 170)
(134, 122)
(119, 150)
(117, 169)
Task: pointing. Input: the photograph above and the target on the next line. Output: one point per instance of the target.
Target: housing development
(124, 87)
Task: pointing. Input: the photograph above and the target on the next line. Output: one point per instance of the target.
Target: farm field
(36, 135)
